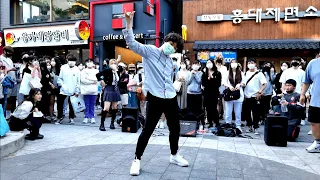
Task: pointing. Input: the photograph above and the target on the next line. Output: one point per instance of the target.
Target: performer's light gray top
(158, 67)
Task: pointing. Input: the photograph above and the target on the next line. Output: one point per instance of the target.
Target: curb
(11, 142)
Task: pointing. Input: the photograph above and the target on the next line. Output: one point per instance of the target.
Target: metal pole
(51, 11)
(244, 64)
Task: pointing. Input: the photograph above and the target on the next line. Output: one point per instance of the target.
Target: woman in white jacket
(89, 90)
(234, 81)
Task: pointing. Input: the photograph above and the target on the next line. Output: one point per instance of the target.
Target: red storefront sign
(1, 42)
(148, 7)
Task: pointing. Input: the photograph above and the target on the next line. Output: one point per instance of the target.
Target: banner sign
(203, 56)
(118, 10)
(148, 7)
(290, 14)
(59, 35)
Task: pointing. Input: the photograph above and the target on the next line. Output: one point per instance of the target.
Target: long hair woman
(234, 81)
(26, 116)
(111, 95)
(211, 81)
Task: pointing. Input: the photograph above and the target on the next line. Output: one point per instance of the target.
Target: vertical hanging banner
(148, 7)
(118, 10)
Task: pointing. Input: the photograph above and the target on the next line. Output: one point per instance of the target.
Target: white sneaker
(310, 132)
(135, 168)
(161, 125)
(303, 122)
(85, 121)
(93, 121)
(256, 132)
(239, 128)
(71, 121)
(59, 121)
(314, 148)
(178, 160)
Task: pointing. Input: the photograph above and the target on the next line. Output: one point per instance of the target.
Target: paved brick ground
(83, 152)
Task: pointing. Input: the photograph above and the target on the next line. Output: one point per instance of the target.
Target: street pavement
(82, 152)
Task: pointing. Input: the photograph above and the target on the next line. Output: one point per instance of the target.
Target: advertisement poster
(203, 56)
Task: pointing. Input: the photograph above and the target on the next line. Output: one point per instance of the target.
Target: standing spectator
(277, 83)
(234, 81)
(123, 82)
(7, 62)
(255, 85)
(211, 81)
(69, 85)
(111, 95)
(46, 90)
(139, 79)
(194, 97)
(132, 87)
(183, 76)
(313, 77)
(268, 91)
(220, 64)
(89, 90)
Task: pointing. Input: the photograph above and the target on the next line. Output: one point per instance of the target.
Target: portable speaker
(276, 130)
(188, 128)
(130, 121)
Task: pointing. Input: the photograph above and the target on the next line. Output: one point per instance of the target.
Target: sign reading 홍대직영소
(290, 14)
(43, 36)
(121, 37)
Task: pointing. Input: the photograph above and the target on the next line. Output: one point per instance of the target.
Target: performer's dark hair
(175, 38)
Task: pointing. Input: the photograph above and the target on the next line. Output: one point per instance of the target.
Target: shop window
(64, 10)
(39, 11)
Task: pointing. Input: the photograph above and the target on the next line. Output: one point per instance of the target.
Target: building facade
(268, 30)
(50, 27)
(153, 20)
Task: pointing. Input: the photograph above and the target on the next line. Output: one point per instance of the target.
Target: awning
(258, 44)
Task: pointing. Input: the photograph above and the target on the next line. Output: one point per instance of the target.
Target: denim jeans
(89, 101)
(132, 99)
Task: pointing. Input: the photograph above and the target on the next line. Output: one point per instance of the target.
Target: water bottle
(284, 108)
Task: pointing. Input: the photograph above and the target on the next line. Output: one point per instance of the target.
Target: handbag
(231, 95)
(177, 85)
(35, 83)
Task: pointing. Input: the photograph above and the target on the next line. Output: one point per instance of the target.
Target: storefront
(51, 40)
(153, 19)
(272, 31)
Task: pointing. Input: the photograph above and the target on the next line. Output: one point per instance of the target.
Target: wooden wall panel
(249, 29)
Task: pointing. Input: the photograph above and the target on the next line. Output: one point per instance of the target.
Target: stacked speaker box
(275, 130)
(130, 121)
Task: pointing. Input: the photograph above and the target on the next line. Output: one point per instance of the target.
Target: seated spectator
(27, 116)
(291, 98)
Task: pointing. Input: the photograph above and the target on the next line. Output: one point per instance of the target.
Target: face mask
(71, 63)
(49, 68)
(131, 71)
(113, 67)
(80, 68)
(97, 67)
(183, 66)
(234, 65)
(195, 67)
(209, 66)
(284, 68)
(168, 49)
(188, 62)
(251, 66)
(120, 68)
(90, 64)
(266, 68)
(295, 63)
(219, 61)
(53, 63)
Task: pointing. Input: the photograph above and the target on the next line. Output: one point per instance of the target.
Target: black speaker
(275, 130)
(188, 128)
(130, 121)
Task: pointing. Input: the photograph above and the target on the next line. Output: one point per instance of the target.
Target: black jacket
(106, 76)
(211, 87)
(123, 82)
